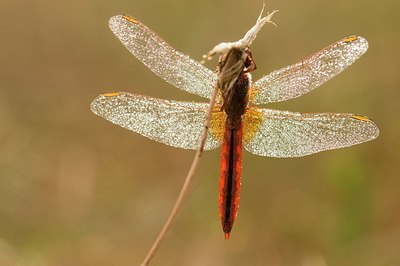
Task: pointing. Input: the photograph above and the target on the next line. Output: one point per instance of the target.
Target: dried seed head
(224, 47)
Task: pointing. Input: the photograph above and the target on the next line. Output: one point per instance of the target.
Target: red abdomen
(230, 174)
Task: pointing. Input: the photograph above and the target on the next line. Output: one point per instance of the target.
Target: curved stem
(186, 184)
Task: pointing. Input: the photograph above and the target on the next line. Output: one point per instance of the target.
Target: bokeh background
(78, 190)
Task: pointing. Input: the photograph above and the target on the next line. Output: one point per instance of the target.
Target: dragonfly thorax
(236, 99)
(234, 81)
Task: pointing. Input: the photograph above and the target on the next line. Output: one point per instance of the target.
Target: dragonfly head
(230, 66)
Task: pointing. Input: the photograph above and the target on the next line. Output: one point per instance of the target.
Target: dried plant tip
(243, 43)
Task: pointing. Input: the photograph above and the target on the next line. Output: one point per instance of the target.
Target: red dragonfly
(235, 121)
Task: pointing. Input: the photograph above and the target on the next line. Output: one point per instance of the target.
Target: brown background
(77, 190)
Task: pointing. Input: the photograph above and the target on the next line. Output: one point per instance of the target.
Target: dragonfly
(236, 120)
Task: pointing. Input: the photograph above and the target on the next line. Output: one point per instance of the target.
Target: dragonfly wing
(177, 124)
(285, 134)
(301, 78)
(174, 67)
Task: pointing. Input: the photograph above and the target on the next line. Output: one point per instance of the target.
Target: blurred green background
(77, 190)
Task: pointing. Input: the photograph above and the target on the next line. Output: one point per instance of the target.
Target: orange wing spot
(110, 94)
(361, 117)
(135, 21)
(217, 123)
(251, 123)
(253, 92)
(350, 39)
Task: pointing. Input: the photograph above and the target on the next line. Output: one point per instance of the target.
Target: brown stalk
(186, 184)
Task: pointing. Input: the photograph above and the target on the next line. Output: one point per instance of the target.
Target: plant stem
(186, 184)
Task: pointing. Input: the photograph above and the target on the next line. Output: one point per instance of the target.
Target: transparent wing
(286, 134)
(178, 124)
(298, 79)
(172, 66)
